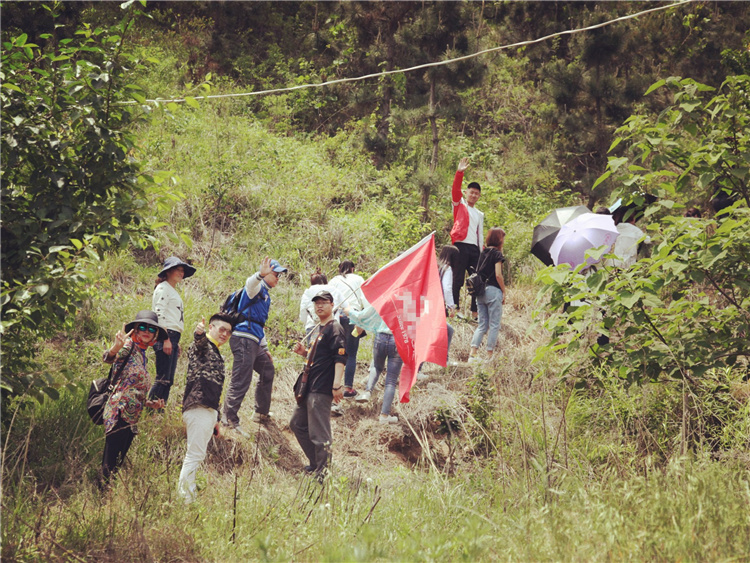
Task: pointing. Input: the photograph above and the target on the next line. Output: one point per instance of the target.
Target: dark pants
(311, 424)
(352, 347)
(249, 356)
(466, 263)
(116, 445)
(166, 365)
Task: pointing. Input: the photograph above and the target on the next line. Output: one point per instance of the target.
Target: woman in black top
(490, 304)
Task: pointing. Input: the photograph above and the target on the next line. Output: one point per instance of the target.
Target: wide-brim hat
(148, 318)
(173, 262)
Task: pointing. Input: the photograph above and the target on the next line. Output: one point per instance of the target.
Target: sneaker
(350, 393)
(336, 410)
(363, 397)
(309, 469)
(261, 418)
(474, 360)
(422, 376)
(387, 419)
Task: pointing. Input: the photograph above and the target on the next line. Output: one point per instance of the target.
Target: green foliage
(692, 150)
(71, 184)
(678, 313)
(482, 394)
(686, 309)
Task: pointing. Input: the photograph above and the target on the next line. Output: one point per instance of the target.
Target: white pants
(200, 422)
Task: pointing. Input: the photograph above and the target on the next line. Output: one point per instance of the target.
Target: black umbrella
(546, 231)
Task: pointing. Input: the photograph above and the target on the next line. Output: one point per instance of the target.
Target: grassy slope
(512, 479)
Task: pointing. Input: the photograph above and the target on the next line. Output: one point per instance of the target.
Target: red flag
(408, 296)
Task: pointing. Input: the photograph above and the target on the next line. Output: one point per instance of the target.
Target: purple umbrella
(583, 233)
(546, 231)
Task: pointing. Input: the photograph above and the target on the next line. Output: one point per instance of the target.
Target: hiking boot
(350, 393)
(387, 419)
(262, 418)
(363, 397)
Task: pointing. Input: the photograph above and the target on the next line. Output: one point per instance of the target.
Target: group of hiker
(336, 316)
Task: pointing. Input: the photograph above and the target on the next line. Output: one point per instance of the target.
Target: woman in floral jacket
(122, 411)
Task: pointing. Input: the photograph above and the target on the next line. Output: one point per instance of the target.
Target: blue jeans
(490, 306)
(384, 348)
(166, 364)
(352, 347)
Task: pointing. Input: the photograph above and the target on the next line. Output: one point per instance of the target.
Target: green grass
(537, 471)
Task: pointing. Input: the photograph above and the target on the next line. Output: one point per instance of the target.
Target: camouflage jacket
(205, 375)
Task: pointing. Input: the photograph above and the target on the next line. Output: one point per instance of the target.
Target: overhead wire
(417, 67)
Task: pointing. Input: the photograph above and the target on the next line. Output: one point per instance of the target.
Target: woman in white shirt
(446, 260)
(307, 316)
(167, 304)
(348, 285)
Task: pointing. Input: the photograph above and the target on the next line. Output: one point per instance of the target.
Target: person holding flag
(383, 350)
(311, 420)
(406, 293)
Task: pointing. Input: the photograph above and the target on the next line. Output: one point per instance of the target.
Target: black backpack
(231, 303)
(476, 283)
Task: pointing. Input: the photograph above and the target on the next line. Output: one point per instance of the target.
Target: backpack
(476, 283)
(231, 303)
(101, 390)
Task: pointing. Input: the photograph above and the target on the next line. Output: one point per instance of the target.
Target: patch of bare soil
(360, 440)
(432, 427)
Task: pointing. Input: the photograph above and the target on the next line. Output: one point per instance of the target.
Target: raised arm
(120, 339)
(252, 284)
(456, 193)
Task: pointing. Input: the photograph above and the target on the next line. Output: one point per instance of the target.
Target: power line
(422, 66)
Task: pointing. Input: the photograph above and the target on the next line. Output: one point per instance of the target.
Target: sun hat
(147, 318)
(173, 262)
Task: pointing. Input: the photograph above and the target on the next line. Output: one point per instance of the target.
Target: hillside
(556, 448)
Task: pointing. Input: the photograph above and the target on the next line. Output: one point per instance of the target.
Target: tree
(72, 186)
(686, 309)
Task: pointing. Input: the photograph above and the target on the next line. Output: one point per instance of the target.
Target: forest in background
(96, 193)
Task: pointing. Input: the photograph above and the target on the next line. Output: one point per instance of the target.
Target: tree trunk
(435, 141)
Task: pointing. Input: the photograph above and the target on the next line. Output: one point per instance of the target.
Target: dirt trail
(360, 442)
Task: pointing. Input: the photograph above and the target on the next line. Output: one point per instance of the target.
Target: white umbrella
(583, 233)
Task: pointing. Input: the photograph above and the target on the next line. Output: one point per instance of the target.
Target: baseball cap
(276, 267)
(323, 294)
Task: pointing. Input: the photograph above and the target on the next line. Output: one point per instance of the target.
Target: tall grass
(512, 461)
